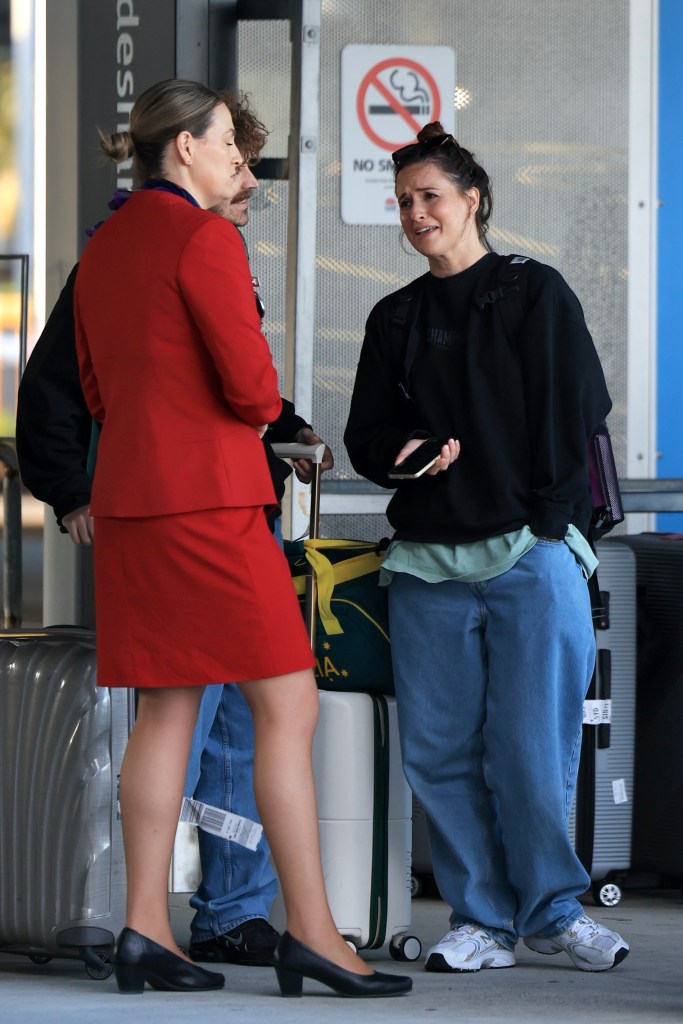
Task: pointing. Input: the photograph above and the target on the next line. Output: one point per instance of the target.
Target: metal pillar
(301, 231)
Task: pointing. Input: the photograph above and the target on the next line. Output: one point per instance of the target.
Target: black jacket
(54, 425)
(53, 422)
(523, 408)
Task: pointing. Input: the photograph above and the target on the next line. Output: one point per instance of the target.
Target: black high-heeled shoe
(138, 959)
(294, 962)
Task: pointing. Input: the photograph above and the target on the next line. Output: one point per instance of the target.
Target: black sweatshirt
(523, 405)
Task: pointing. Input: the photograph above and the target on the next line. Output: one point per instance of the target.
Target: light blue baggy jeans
(490, 682)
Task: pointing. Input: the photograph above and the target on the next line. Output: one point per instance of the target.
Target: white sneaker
(468, 948)
(591, 946)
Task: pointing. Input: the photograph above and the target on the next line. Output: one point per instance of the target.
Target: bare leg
(152, 778)
(285, 711)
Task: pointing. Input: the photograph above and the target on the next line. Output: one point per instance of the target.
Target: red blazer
(173, 362)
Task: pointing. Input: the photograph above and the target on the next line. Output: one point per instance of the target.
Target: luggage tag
(619, 793)
(221, 823)
(597, 712)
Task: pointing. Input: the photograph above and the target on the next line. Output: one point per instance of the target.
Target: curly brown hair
(250, 133)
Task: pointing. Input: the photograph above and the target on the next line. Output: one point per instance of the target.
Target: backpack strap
(400, 309)
(403, 317)
(509, 290)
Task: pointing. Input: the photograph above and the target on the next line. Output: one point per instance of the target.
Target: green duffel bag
(352, 647)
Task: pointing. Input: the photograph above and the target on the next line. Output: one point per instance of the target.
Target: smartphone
(419, 461)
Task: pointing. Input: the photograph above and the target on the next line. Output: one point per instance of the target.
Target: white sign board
(388, 94)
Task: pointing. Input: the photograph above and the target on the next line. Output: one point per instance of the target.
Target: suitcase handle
(316, 453)
(604, 658)
(292, 450)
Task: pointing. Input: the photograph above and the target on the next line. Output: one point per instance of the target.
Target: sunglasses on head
(417, 149)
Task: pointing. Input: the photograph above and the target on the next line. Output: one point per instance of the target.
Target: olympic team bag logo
(352, 645)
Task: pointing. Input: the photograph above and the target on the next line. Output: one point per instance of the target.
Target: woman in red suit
(191, 587)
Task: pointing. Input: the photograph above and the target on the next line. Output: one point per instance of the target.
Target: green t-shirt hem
(477, 561)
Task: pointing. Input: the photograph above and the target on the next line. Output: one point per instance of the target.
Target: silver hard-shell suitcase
(62, 877)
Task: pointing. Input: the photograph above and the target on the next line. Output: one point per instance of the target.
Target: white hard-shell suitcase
(364, 802)
(364, 812)
(62, 875)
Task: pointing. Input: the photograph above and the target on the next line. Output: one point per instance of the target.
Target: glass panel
(547, 115)
(264, 58)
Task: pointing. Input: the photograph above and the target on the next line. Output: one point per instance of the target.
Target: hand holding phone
(419, 461)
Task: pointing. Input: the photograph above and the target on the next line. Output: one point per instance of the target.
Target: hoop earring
(408, 252)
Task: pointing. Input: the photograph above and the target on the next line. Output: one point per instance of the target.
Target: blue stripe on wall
(670, 244)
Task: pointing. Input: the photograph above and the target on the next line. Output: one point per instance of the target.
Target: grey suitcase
(600, 822)
(62, 877)
(602, 815)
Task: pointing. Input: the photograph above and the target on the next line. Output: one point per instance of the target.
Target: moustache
(246, 193)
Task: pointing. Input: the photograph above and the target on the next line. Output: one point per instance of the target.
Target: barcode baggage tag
(597, 712)
(221, 823)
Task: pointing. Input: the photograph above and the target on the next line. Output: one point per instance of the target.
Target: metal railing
(360, 496)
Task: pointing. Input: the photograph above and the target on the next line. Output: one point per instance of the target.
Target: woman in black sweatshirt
(492, 637)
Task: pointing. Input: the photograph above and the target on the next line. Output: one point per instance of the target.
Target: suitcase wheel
(422, 884)
(406, 947)
(97, 965)
(39, 958)
(606, 893)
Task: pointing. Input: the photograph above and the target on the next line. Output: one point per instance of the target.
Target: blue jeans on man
(238, 885)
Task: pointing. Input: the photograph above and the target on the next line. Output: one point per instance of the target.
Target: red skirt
(196, 598)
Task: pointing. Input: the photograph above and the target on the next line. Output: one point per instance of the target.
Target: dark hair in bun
(436, 146)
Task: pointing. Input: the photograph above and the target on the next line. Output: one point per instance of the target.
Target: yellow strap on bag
(328, 574)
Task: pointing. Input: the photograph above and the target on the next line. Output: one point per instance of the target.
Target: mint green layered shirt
(480, 560)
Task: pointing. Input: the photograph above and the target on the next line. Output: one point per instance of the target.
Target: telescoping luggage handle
(316, 453)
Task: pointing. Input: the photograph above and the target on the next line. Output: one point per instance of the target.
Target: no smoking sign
(395, 95)
(388, 94)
